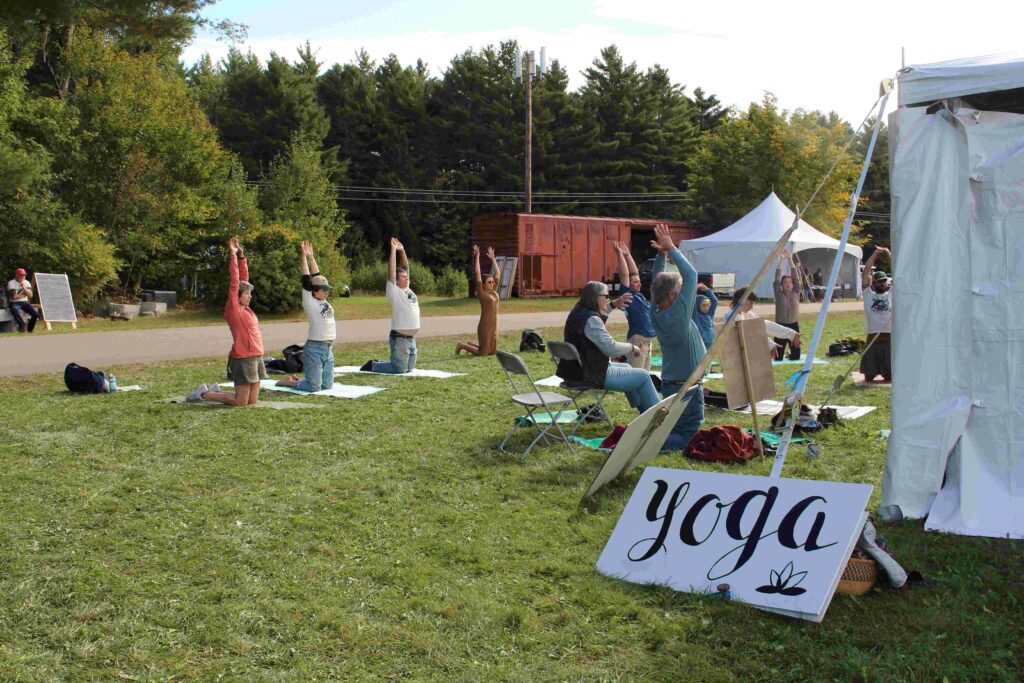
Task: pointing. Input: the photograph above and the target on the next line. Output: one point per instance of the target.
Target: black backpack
(82, 380)
(532, 341)
(292, 358)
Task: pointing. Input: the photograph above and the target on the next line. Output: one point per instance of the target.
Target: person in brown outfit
(487, 293)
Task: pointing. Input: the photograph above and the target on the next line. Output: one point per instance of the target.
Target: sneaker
(196, 396)
(367, 366)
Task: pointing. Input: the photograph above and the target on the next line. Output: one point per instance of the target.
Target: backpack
(532, 341)
(724, 443)
(80, 380)
(292, 358)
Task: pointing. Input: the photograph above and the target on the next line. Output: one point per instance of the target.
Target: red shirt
(247, 341)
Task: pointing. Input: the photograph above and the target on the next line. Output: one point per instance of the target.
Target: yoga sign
(779, 544)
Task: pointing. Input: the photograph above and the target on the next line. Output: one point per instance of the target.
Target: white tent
(742, 247)
(956, 149)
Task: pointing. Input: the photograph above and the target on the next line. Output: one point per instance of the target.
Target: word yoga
(780, 544)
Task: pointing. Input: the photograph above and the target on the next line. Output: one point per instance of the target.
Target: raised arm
(710, 294)
(403, 260)
(477, 275)
(630, 263)
(307, 255)
(869, 266)
(663, 243)
(233, 274)
(620, 250)
(495, 270)
(392, 261)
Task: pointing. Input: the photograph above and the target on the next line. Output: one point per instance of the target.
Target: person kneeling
(318, 352)
(585, 330)
(405, 318)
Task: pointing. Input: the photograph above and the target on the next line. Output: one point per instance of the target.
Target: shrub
(421, 279)
(452, 282)
(369, 278)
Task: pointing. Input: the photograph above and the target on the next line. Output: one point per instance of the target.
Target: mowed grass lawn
(386, 539)
(360, 307)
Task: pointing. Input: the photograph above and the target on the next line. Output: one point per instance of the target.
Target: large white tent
(956, 149)
(742, 247)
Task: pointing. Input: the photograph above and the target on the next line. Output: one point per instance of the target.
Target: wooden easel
(741, 336)
(747, 366)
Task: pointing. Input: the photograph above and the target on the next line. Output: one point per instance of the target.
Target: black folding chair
(536, 402)
(564, 351)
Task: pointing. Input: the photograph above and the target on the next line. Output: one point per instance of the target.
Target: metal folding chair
(564, 351)
(536, 402)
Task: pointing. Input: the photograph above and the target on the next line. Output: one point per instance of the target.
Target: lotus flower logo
(784, 582)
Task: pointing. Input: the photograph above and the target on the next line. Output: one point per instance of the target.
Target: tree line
(127, 169)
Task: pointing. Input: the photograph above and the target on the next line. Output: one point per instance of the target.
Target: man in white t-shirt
(405, 317)
(318, 351)
(877, 360)
(19, 300)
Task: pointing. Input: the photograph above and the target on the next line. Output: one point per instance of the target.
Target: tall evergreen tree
(874, 209)
(708, 112)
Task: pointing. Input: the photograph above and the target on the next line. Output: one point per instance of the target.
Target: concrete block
(124, 311)
(153, 308)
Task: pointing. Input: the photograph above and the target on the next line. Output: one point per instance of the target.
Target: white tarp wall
(957, 184)
(742, 247)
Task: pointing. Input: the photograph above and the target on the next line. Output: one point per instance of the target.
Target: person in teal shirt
(672, 305)
(704, 314)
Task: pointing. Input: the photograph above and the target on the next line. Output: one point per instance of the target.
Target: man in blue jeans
(405, 317)
(672, 302)
(19, 296)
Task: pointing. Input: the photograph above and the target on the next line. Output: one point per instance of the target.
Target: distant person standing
(640, 332)
(19, 297)
(704, 313)
(487, 293)
(877, 360)
(787, 304)
(405, 317)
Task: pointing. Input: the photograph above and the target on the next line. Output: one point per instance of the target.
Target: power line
(489, 193)
(428, 200)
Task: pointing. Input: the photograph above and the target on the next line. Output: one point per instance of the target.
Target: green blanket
(773, 439)
(567, 417)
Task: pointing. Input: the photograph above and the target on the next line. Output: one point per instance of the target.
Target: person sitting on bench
(318, 351)
(585, 330)
(405, 318)
(487, 293)
(19, 296)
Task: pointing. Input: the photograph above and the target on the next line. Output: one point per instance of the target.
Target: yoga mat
(272, 405)
(845, 412)
(656, 362)
(437, 374)
(786, 361)
(774, 439)
(594, 443)
(131, 387)
(337, 391)
(567, 417)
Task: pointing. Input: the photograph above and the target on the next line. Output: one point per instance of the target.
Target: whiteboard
(54, 293)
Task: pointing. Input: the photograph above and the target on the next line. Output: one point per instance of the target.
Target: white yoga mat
(131, 387)
(337, 391)
(844, 412)
(417, 372)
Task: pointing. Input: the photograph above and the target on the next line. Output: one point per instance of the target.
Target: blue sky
(828, 56)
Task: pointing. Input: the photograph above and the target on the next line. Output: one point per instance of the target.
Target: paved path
(30, 355)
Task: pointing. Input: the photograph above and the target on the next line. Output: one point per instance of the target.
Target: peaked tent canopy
(742, 247)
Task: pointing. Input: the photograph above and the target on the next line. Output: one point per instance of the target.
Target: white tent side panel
(956, 450)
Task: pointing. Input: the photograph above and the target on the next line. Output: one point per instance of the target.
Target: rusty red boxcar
(560, 254)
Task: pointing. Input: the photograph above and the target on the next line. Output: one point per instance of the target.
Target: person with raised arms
(584, 329)
(639, 333)
(672, 303)
(787, 304)
(245, 361)
(877, 360)
(487, 294)
(405, 317)
(746, 312)
(318, 351)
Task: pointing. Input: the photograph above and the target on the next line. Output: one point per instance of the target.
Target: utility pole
(526, 69)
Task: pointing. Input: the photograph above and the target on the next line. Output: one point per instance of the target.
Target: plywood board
(55, 298)
(759, 363)
(507, 265)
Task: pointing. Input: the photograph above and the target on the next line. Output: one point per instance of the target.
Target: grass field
(351, 308)
(386, 539)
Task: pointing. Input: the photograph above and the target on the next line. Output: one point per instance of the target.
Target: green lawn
(351, 308)
(386, 538)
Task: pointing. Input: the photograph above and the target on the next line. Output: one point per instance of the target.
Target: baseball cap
(321, 282)
(20, 271)
(879, 276)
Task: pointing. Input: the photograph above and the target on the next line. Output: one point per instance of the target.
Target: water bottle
(112, 383)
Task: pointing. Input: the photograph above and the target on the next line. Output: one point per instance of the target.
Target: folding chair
(536, 402)
(563, 351)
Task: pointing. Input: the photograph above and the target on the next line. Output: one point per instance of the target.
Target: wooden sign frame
(51, 281)
(507, 265)
(747, 367)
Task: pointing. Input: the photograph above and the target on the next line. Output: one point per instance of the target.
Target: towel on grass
(541, 417)
(337, 391)
(272, 405)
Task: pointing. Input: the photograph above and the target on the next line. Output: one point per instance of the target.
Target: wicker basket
(859, 577)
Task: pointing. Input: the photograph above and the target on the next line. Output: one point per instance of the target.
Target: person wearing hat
(877, 360)
(405, 317)
(318, 351)
(19, 296)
